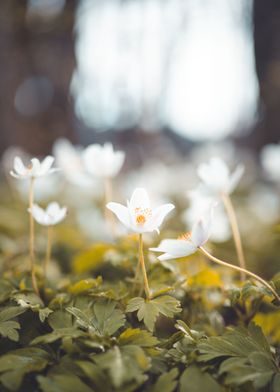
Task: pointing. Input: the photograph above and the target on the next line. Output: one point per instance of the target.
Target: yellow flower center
(142, 215)
(185, 236)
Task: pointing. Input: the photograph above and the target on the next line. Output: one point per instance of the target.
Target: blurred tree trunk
(267, 50)
(40, 48)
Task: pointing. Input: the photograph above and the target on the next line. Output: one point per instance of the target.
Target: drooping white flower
(188, 243)
(216, 176)
(270, 160)
(34, 170)
(138, 216)
(102, 161)
(52, 215)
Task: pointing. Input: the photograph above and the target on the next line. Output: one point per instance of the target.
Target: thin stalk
(48, 250)
(235, 232)
(239, 269)
(142, 263)
(108, 196)
(32, 237)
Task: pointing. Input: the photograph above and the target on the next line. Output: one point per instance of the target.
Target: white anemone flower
(216, 176)
(51, 216)
(34, 170)
(138, 216)
(270, 160)
(187, 243)
(102, 161)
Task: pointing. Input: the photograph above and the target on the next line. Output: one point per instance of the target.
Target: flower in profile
(187, 243)
(138, 215)
(102, 161)
(34, 170)
(216, 176)
(52, 215)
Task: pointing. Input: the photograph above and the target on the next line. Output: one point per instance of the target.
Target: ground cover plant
(143, 304)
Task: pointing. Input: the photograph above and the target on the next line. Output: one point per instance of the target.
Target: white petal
(176, 248)
(167, 256)
(139, 198)
(53, 208)
(46, 164)
(121, 212)
(13, 174)
(39, 215)
(202, 228)
(19, 166)
(235, 178)
(159, 214)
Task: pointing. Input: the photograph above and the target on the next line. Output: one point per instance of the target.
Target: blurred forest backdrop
(38, 60)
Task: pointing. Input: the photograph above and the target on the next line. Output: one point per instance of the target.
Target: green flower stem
(142, 263)
(239, 269)
(236, 233)
(48, 250)
(32, 237)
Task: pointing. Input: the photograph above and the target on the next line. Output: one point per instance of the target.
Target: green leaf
(124, 364)
(103, 318)
(91, 259)
(8, 328)
(194, 379)
(149, 310)
(246, 356)
(138, 337)
(166, 382)
(15, 364)
(44, 314)
(62, 383)
(84, 285)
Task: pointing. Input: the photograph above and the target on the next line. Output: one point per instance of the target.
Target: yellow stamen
(185, 236)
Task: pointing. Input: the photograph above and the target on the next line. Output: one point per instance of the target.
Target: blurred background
(144, 74)
(170, 82)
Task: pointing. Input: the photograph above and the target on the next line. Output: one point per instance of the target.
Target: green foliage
(243, 355)
(8, 327)
(149, 310)
(103, 318)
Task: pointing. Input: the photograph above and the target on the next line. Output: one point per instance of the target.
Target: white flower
(69, 159)
(52, 215)
(188, 243)
(103, 161)
(199, 205)
(217, 178)
(34, 170)
(138, 216)
(270, 159)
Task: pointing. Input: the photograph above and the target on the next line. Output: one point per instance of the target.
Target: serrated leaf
(124, 364)
(166, 382)
(62, 383)
(148, 310)
(194, 379)
(104, 319)
(8, 327)
(61, 333)
(15, 364)
(138, 337)
(44, 314)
